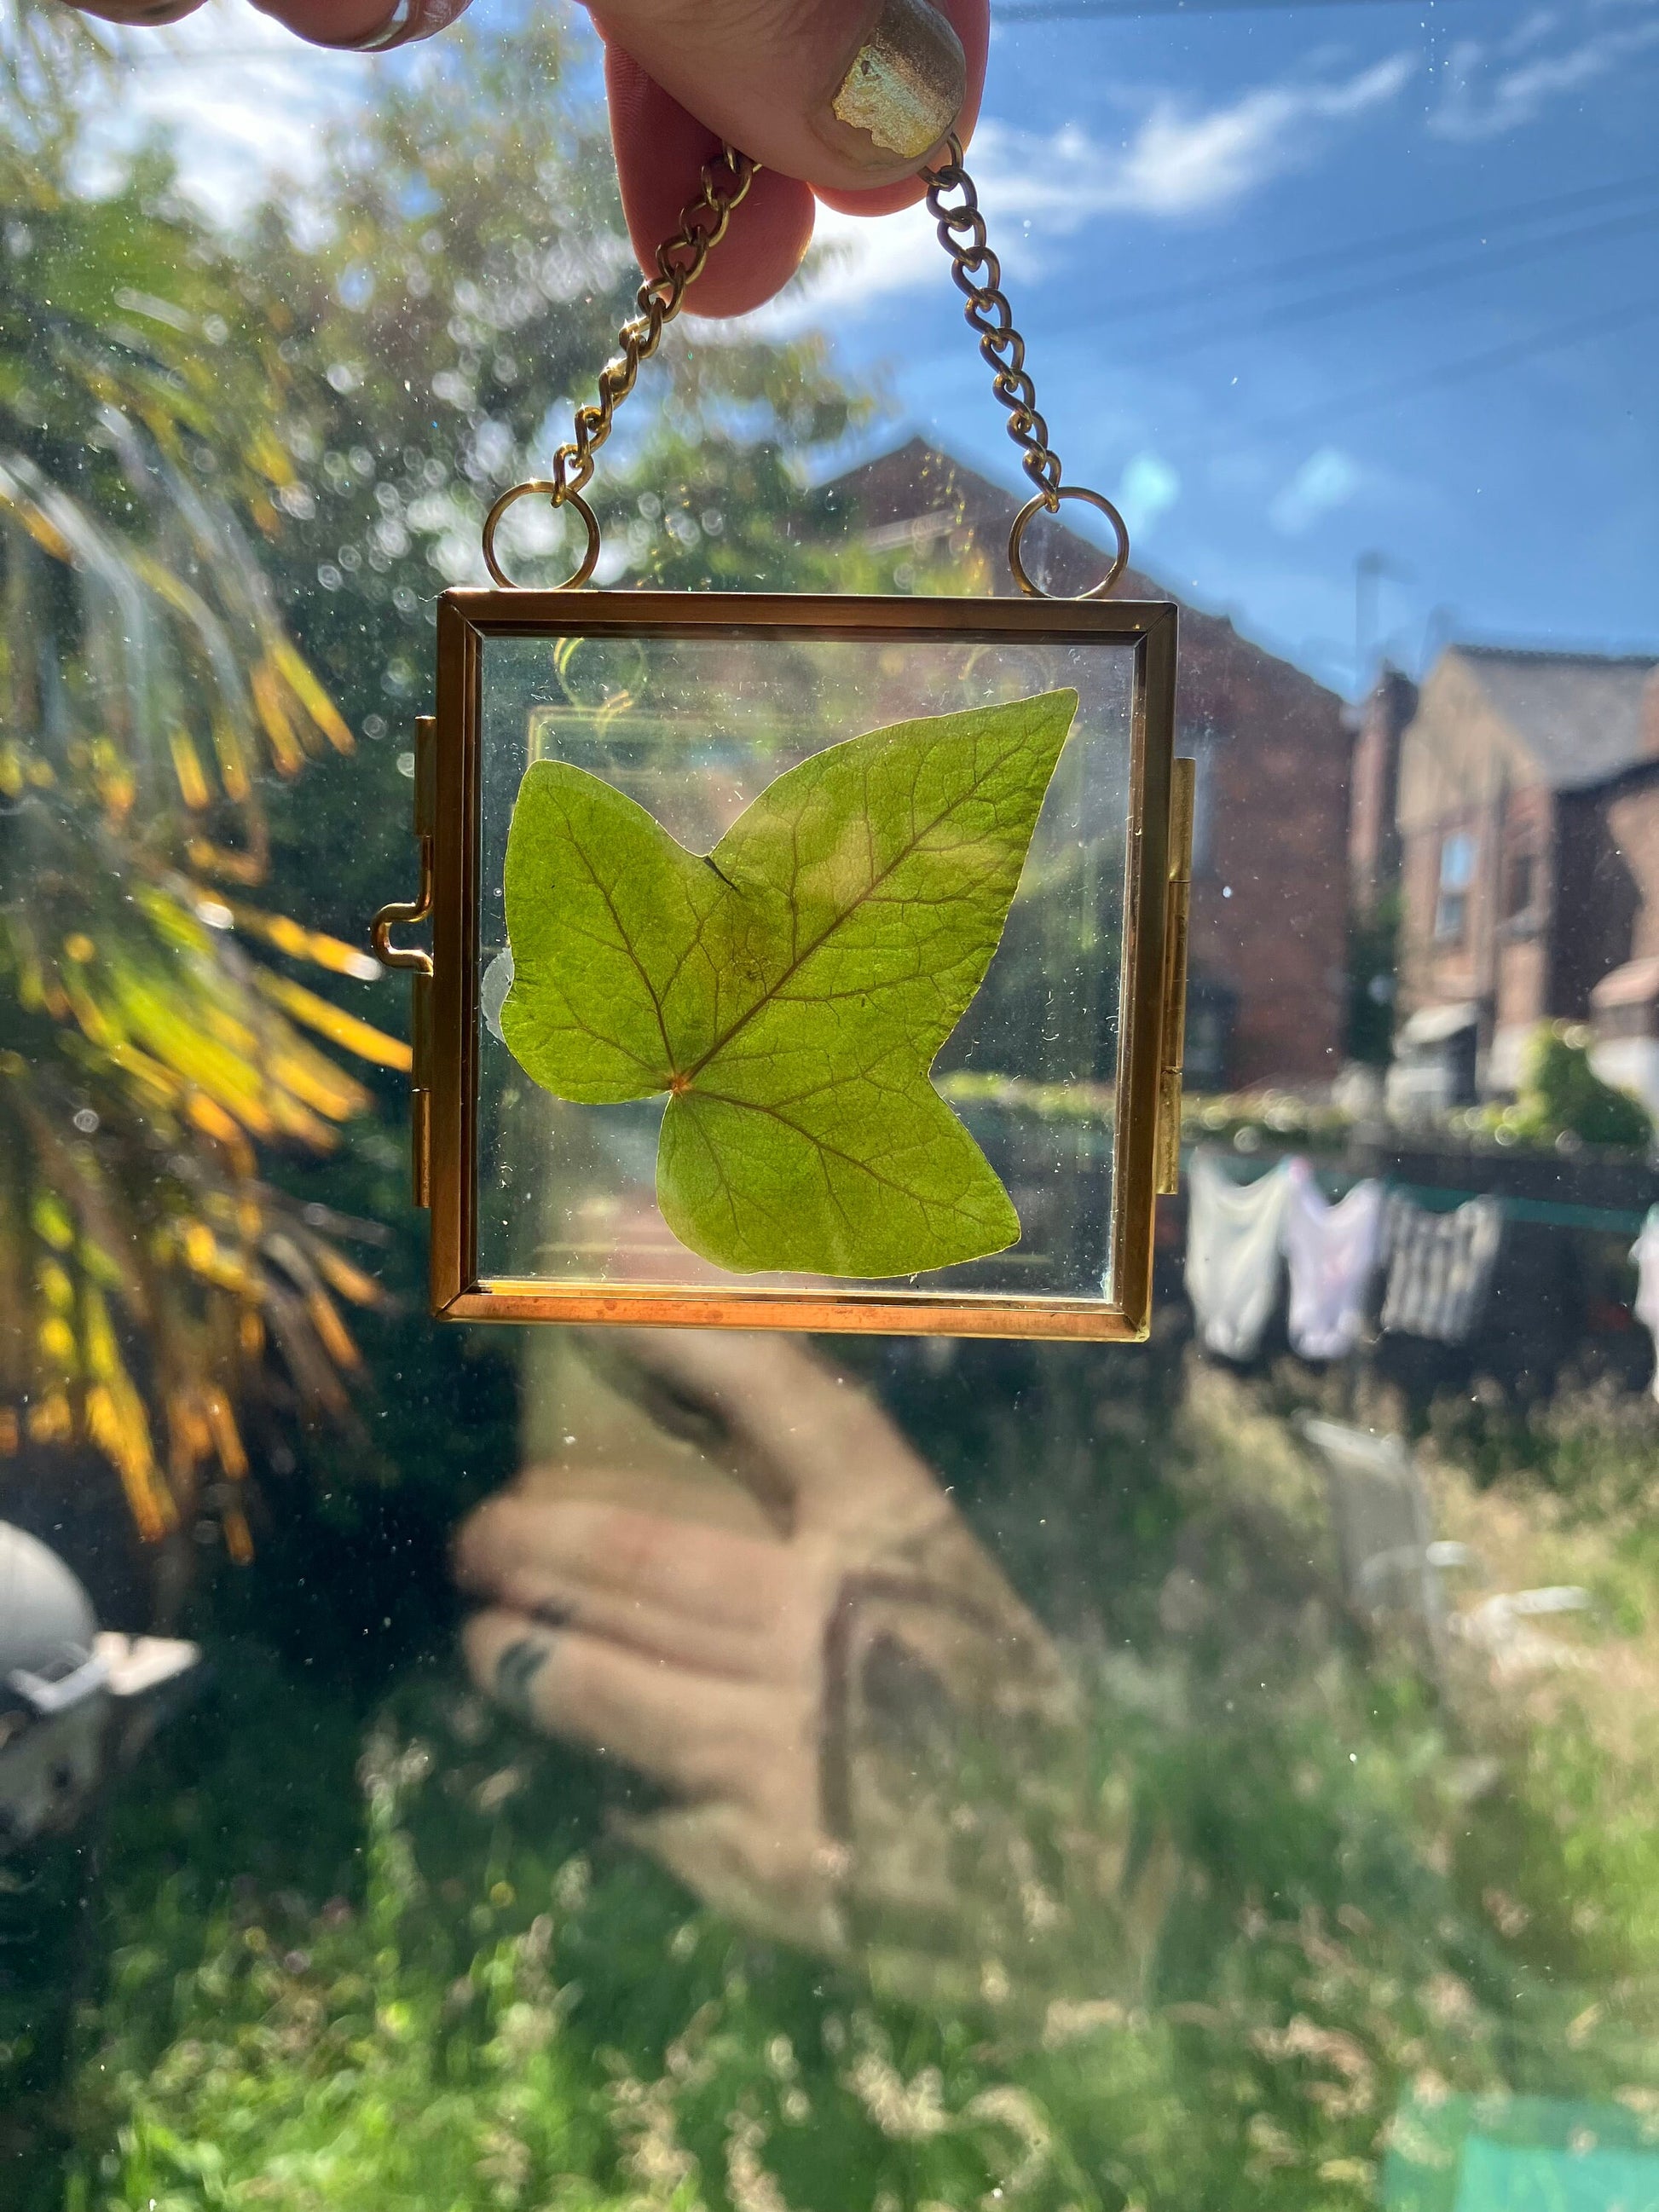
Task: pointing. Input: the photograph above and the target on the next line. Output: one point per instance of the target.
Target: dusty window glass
(694, 730)
(542, 1771)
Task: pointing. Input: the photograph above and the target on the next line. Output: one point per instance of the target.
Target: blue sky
(1149, 179)
(1189, 208)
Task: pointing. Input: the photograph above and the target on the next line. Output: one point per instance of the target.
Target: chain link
(977, 275)
(725, 183)
(975, 270)
(680, 260)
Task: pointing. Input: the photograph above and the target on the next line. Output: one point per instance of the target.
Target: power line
(1517, 216)
(1370, 293)
(1550, 340)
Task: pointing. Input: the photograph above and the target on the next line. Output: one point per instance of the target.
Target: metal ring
(1050, 502)
(408, 21)
(583, 569)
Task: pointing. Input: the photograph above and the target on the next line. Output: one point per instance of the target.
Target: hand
(841, 101)
(742, 1582)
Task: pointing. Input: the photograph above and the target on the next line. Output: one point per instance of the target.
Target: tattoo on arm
(516, 1671)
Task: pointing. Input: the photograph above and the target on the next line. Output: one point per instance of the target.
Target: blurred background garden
(338, 1936)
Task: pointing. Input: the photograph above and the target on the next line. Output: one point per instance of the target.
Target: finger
(575, 1416)
(137, 15)
(586, 1432)
(620, 1573)
(778, 1878)
(845, 93)
(660, 154)
(816, 1447)
(687, 1731)
(971, 20)
(362, 25)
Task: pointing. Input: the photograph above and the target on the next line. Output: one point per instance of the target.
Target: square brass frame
(448, 783)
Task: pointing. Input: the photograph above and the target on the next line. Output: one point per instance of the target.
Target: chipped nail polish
(908, 81)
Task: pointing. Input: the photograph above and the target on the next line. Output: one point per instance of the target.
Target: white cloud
(1183, 161)
(856, 260)
(1179, 161)
(1534, 28)
(1486, 92)
(1326, 480)
(242, 99)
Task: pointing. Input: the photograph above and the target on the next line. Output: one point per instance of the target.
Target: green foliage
(503, 2012)
(224, 466)
(1383, 1894)
(1562, 1096)
(152, 1064)
(789, 991)
(1591, 1447)
(463, 275)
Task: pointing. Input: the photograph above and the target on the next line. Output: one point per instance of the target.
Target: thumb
(661, 149)
(662, 141)
(843, 94)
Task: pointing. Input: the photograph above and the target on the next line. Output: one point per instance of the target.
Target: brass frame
(447, 820)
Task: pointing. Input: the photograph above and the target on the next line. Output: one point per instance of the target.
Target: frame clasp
(415, 961)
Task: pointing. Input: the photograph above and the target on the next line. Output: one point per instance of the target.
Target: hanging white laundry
(1440, 1267)
(1233, 1240)
(1333, 1252)
(1645, 1252)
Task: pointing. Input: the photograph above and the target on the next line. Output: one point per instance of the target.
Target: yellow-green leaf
(790, 990)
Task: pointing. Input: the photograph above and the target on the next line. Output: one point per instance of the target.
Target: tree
(1561, 1095)
(151, 1058)
(279, 447)
(462, 275)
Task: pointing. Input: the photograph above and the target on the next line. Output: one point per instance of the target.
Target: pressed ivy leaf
(790, 990)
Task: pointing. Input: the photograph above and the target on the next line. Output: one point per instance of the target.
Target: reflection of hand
(808, 1682)
(842, 98)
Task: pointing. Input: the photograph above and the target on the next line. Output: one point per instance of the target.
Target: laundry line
(1090, 1140)
(1541, 1212)
(1436, 1262)
(1244, 1238)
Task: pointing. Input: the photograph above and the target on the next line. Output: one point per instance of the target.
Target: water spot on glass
(493, 990)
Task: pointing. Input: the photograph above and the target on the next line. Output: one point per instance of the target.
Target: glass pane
(693, 729)
(446, 1768)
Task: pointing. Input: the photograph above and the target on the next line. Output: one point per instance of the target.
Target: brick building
(1526, 837)
(1266, 993)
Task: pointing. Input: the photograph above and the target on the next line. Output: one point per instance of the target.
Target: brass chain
(680, 260)
(977, 274)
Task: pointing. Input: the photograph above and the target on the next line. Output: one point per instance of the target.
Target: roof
(916, 490)
(1580, 714)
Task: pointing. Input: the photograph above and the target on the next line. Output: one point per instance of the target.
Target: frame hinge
(1183, 777)
(416, 963)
